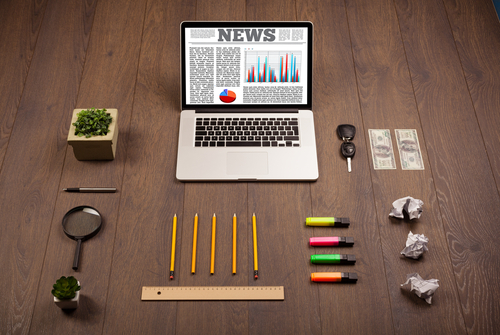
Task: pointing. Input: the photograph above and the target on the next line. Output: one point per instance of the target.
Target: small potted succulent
(66, 292)
(93, 133)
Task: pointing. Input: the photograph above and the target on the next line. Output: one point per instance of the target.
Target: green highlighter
(333, 259)
(328, 222)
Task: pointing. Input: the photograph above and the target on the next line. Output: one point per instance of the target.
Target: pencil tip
(214, 214)
(175, 215)
(253, 214)
(196, 214)
(64, 189)
(234, 215)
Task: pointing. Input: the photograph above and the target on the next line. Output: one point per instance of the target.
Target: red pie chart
(227, 96)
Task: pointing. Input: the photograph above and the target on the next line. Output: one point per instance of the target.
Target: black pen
(91, 189)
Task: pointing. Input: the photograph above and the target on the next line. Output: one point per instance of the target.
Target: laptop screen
(246, 65)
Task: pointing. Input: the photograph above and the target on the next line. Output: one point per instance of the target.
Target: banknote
(409, 149)
(382, 151)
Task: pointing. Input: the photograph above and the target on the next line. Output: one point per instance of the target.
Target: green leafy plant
(65, 288)
(92, 122)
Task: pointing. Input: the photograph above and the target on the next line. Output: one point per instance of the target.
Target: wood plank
(20, 23)
(281, 209)
(31, 173)
(476, 30)
(223, 199)
(150, 193)
(447, 113)
(387, 102)
(338, 192)
(111, 62)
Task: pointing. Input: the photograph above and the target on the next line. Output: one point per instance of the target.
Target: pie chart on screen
(227, 96)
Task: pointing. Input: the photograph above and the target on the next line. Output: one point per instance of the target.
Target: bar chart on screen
(273, 66)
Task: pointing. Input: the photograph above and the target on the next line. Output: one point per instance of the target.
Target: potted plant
(93, 133)
(66, 292)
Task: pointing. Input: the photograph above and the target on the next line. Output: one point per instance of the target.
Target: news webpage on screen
(246, 66)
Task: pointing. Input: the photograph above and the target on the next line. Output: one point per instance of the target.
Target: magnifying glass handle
(77, 255)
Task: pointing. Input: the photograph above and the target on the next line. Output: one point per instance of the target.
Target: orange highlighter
(334, 277)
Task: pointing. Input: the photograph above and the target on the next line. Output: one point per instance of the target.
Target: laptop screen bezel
(247, 24)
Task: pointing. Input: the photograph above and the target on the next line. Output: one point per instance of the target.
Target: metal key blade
(348, 164)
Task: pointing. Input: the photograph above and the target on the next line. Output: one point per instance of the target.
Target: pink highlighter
(333, 241)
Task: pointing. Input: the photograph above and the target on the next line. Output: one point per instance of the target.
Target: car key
(347, 132)
(348, 150)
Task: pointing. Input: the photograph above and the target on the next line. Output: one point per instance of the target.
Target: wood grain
(387, 102)
(340, 193)
(150, 193)
(112, 59)
(476, 30)
(447, 114)
(20, 23)
(425, 65)
(31, 173)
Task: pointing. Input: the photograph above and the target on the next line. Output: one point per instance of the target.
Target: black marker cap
(342, 222)
(346, 241)
(347, 259)
(349, 277)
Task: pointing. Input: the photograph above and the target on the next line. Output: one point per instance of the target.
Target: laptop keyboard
(247, 132)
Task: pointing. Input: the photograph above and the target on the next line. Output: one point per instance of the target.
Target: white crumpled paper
(422, 288)
(416, 244)
(411, 206)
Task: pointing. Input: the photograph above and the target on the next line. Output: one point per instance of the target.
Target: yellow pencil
(195, 237)
(212, 253)
(255, 258)
(172, 254)
(234, 243)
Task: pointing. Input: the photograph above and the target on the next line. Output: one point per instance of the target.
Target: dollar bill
(382, 151)
(409, 149)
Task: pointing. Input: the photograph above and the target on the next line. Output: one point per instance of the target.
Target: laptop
(246, 100)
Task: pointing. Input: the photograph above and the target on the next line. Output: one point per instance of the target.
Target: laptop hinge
(246, 110)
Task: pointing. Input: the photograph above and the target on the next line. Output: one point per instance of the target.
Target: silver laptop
(246, 102)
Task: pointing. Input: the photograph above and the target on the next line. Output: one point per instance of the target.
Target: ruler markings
(213, 293)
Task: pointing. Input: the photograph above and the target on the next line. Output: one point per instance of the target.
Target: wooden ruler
(213, 293)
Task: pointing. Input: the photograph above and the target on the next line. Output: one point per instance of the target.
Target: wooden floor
(428, 65)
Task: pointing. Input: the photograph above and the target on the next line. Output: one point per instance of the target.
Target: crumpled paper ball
(422, 288)
(416, 244)
(413, 207)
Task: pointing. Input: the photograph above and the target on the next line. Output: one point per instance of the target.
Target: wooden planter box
(97, 148)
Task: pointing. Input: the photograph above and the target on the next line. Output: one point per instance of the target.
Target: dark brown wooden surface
(425, 65)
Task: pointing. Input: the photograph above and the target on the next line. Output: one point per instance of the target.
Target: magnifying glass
(80, 224)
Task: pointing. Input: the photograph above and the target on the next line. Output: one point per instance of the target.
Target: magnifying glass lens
(80, 224)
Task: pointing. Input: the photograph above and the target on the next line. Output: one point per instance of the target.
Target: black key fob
(348, 149)
(346, 131)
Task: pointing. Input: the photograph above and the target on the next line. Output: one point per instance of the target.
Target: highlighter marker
(334, 277)
(333, 259)
(337, 222)
(333, 241)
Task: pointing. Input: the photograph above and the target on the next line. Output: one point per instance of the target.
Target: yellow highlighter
(328, 222)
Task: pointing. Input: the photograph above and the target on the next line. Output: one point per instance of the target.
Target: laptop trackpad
(247, 163)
